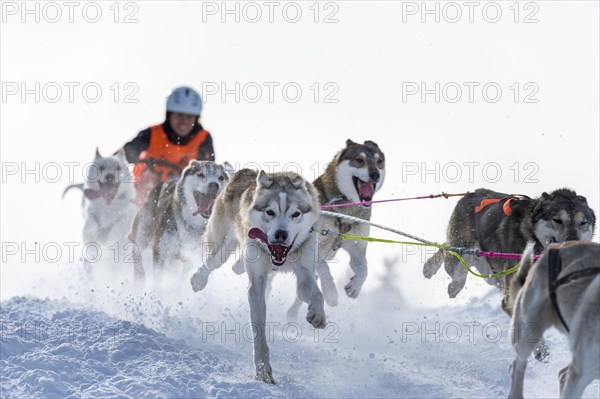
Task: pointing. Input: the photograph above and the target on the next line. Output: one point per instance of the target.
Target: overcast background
(364, 60)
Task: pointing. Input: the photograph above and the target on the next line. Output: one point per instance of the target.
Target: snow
(100, 340)
(64, 333)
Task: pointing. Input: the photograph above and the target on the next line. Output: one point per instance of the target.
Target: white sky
(368, 56)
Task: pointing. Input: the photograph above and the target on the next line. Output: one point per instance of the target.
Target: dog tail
(70, 186)
(527, 261)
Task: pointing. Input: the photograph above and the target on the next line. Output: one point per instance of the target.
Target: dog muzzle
(278, 252)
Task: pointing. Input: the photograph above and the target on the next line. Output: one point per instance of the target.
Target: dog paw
(331, 297)
(199, 280)
(238, 267)
(316, 319)
(352, 288)
(265, 376)
(541, 353)
(430, 269)
(455, 287)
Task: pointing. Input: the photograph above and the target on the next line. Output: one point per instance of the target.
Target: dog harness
(554, 269)
(489, 213)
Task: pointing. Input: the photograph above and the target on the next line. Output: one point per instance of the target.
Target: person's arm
(137, 145)
(206, 151)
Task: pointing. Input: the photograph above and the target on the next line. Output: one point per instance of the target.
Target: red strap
(505, 208)
(485, 203)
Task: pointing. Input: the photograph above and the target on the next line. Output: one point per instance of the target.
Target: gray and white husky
(175, 216)
(356, 173)
(501, 222)
(569, 273)
(271, 216)
(109, 201)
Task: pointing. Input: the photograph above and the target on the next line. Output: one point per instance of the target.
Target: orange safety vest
(161, 149)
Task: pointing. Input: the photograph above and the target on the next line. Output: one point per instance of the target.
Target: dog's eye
(221, 178)
(380, 162)
(118, 167)
(583, 223)
(359, 160)
(101, 168)
(201, 175)
(270, 212)
(295, 214)
(324, 232)
(558, 221)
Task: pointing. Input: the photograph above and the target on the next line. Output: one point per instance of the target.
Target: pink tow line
(431, 196)
(490, 254)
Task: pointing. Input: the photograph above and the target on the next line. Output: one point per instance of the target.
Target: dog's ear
(540, 207)
(121, 155)
(228, 168)
(349, 142)
(98, 153)
(263, 180)
(520, 206)
(371, 143)
(582, 199)
(298, 182)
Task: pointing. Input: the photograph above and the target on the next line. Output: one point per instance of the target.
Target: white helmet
(184, 100)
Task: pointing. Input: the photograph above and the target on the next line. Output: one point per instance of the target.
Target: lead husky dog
(109, 201)
(175, 215)
(272, 216)
(569, 272)
(501, 222)
(356, 173)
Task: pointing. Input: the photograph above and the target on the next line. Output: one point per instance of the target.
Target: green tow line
(436, 245)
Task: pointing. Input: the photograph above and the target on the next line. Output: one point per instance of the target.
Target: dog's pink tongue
(257, 234)
(104, 192)
(366, 189)
(204, 206)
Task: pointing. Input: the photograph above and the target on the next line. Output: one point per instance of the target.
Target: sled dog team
(277, 216)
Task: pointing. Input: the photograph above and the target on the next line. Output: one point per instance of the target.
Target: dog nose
(572, 236)
(110, 177)
(281, 236)
(374, 175)
(213, 187)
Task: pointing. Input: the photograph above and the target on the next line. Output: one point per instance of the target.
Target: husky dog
(356, 173)
(109, 200)
(562, 290)
(501, 222)
(175, 215)
(271, 216)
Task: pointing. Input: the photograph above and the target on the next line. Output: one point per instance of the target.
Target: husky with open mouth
(108, 202)
(271, 217)
(356, 173)
(175, 216)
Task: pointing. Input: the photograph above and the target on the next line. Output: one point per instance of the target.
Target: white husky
(109, 201)
(272, 216)
(563, 290)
